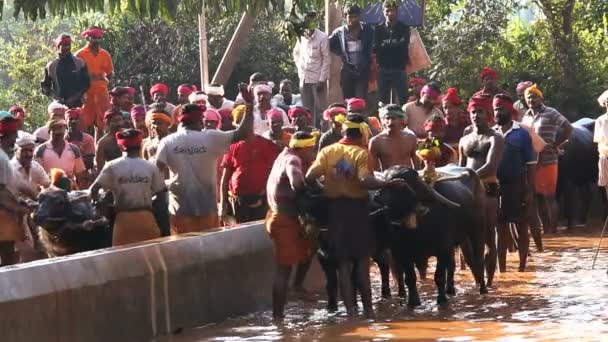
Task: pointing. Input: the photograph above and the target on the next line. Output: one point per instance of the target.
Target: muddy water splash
(559, 298)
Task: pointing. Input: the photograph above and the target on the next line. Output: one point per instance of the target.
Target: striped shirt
(546, 123)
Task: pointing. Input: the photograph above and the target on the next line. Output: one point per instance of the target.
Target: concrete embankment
(137, 292)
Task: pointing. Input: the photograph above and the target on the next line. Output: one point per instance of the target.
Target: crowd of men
(208, 161)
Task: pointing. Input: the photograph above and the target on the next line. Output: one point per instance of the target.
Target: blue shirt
(517, 154)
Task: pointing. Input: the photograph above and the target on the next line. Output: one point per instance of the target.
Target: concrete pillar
(333, 20)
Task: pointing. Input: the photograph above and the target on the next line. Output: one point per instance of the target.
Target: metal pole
(202, 41)
(599, 245)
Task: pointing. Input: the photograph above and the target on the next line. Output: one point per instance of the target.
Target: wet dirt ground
(558, 298)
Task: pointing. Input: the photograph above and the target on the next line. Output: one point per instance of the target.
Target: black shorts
(511, 206)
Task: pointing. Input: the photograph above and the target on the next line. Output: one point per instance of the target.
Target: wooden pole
(333, 19)
(204, 61)
(231, 56)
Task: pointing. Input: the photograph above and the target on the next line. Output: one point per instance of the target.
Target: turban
(355, 105)
(363, 127)
(296, 111)
(17, 111)
(8, 124)
(54, 106)
(111, 113)
(191, 112)
(213, 115)
(129, 138)
(160, 116)
(534, 90)
(25, 140)
(451, 96)
(507, 104)
(434, 94)
(197, 97)
(484, 103)
(393, 110)
(62, 41)
(329, 112)
(416, 81)
(226, 113)
(274, 114)
(434, 124)
(215, 90)
(238, 112)
(138, 112)
(93, 32)
(603, 98)
(340, 118)
(488, 72)
(131, 91)
(262, 88)
(159, 88)
(294, 142)
(522, 86)
(55, 123)
(186, 89)
(119, 91)
(73, 113)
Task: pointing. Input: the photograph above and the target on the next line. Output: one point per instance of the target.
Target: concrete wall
(137, 292)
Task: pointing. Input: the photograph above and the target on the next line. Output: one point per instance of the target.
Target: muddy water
(558, 298)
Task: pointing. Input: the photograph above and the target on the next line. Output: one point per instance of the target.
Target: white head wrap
(603, 98)
(262, 88)
(56, 105)
(217, 91)
(25, 139)
(194, 97)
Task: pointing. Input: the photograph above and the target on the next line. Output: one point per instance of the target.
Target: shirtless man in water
(481, 150)
(393, 146)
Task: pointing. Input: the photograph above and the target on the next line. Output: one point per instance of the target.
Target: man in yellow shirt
(347, 179)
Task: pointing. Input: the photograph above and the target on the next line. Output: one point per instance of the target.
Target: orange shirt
(99, 66)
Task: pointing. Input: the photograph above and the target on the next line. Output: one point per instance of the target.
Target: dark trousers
(246, 210)
(392, 80)
(353, 86)
(160, 206)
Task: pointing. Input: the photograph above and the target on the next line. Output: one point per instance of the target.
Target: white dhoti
(602, 179)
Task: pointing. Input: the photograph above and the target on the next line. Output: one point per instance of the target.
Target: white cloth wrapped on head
(24, 140)
(196, 97)
(215, 90)
(56, 105)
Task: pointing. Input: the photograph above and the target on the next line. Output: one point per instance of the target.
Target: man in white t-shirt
(263, 96)
(191, 155)
(600, 136)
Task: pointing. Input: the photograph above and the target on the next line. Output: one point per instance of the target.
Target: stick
(599, 245)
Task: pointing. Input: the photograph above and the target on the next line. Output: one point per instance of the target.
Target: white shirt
(192, 158)
(7, 177)
(311, 55)
(600, 135)
(296, 100)
(33, 180)
(260, 126)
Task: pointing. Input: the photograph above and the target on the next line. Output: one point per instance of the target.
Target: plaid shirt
(546, 123)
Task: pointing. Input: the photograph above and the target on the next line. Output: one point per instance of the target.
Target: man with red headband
(435, 127)
(554, 129)
(160, 93)
(394, 146)
(19, 114)
(417, 112)
(516, 176)
(456, 118)
(121, 99)
(521, 105)
(107, 146)
(277, 133)
(489, 83)
(335, 114)
(84, 141)
(191, 154)
(183, 91)
(138, 119)
(66, 78)
(133, 182)
(481, 150)
(415, 85)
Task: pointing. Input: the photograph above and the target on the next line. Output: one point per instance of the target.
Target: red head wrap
(186, 89)
(522, 86)
(213, 115)
(434, 124)
(226, 113)
(62, 41)
(416, 81)
(138, 112)
(73, 113)
(159, 88)
(484, 103)
(355, 105)
(329, 112)
(434, 94)
(191, 112)
(93, 32)
(488, 72)
(107, 116)
(17, 111)
(132, 91)
(506, 104)
(451, 96)
(8, 125)
(128, 138)
(274, 114)
(297, 111)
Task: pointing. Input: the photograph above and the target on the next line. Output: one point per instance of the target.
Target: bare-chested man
(107, 147)
(393, 146)
(481, 150)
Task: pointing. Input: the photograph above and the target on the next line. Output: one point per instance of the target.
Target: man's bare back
(389, 150)
(107, 150)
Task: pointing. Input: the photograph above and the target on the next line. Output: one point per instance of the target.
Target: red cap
(451, 96)
(159, 88)
(129, 138)
(488, 72)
